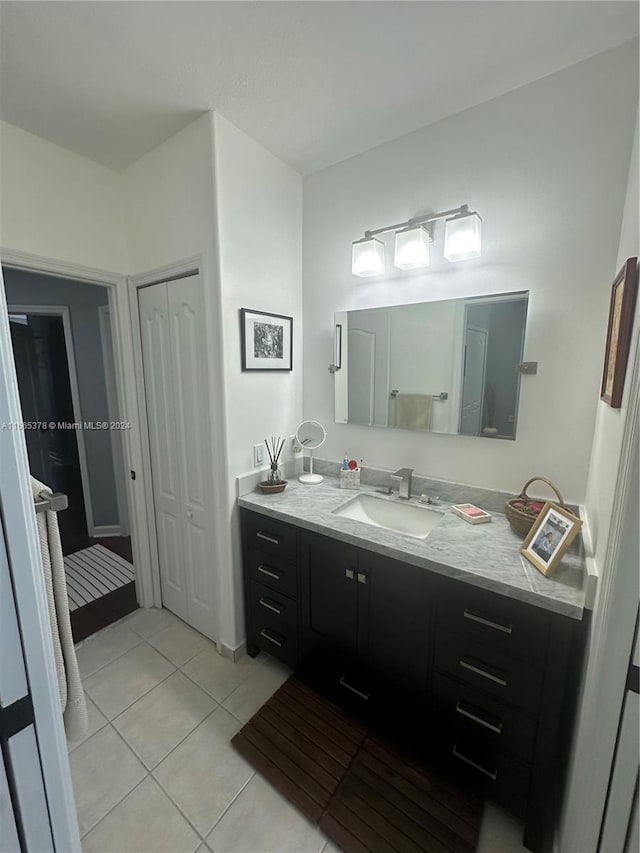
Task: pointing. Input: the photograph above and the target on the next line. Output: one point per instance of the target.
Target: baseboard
(104, 530)
(233, 654)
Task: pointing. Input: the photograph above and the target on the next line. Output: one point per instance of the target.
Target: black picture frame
(266, 341)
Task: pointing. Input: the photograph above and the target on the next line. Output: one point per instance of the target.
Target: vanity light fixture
(463, 237)
(368, 257)
(463, 241)
(412, 247)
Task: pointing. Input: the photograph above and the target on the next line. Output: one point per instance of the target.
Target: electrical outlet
(258, 455)
(296, 447)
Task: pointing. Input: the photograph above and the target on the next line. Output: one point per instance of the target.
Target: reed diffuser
(274, 481)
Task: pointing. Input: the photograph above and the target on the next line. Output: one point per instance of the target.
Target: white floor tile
(104, 770)
(500, 832)
(96, 721)
(158, 721)
(204, 773)
(105, 646)
(261, 820)
(255, 690)
(146, 821)
(179, 642)
(117, 685)
(149, 620)
(217, 675)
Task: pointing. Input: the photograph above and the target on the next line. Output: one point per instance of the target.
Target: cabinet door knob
(189, 514)
(349, 574)
(362, 578)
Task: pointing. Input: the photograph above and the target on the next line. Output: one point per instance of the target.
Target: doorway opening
(63, 352)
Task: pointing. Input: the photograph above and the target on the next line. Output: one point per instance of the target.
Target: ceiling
(314, 82)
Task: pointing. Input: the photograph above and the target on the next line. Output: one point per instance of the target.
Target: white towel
(413, 411)
(72, 701)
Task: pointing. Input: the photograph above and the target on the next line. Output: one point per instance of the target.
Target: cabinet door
(399, 621)
(330, 596)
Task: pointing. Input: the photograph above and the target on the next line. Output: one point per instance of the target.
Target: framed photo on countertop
(553, 532)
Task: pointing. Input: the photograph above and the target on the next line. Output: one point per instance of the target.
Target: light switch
(258, 455)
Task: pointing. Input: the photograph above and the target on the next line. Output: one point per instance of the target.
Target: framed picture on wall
(553, 532)
(266, 340)
(623, 299)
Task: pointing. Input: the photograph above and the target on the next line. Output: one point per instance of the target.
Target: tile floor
(155, 771)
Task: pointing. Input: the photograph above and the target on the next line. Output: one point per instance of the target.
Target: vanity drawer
(281, 644)
(482, 720)
(480, 666)
(272, 608)
(271, 536)
(504, 780)
(510, 626)
(273, 572)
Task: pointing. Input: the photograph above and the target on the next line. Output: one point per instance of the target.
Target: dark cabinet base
(474, 680)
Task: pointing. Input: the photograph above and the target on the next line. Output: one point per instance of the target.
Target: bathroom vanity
(454, 625)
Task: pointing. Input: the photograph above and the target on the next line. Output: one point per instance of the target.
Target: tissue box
(350, 479)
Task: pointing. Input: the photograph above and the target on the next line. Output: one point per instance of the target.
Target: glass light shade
(368, 257)
(463, 237)
(412, 248)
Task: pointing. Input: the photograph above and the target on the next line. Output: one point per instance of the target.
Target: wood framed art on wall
(623, 299)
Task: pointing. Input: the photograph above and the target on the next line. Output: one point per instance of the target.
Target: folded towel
(413, 411)
(72, 701)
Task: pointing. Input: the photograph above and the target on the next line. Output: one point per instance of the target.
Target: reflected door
(361, 376)
(475, 362)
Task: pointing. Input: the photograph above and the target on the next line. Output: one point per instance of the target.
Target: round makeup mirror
(310, 435)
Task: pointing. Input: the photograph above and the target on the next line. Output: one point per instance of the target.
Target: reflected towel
(413, 411)
(72, 701)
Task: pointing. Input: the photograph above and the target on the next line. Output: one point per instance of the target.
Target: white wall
(170, 217)
(259, 210)
(546, 167)
(57, 204)
(615, 609)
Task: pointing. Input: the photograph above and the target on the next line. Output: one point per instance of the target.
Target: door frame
(170, 272)
(127, 393)
(117, 449)
(63, 312)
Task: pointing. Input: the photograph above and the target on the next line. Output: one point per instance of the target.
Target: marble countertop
(485, 555)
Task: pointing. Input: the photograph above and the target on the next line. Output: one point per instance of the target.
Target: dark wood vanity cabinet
(488, 677)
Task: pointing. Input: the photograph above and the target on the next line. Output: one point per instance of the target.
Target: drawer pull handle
(268, 538)
(268, 572)
(269, 606)
(492, 774)
(507, 629)
(477, 718)
(344, 683)
(483, 672)
(271, 638)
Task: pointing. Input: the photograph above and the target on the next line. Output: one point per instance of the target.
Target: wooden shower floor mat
(363, 792)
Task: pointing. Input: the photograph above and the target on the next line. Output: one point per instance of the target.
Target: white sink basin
(392, 514)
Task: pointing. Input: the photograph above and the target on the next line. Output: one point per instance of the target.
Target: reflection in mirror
(449, 367)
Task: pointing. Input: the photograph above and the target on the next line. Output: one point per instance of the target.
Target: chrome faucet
(404, 488)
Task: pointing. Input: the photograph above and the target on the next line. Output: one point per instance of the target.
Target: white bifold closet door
(176, 389)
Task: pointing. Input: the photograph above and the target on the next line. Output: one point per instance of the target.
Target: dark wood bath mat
(364, 792)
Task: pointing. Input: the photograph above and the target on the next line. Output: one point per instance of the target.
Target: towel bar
(443, 395)
(55, 502)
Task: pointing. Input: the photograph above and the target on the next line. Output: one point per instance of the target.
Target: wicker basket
(519, 511)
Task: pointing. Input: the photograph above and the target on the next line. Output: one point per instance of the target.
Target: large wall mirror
(448, 367)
